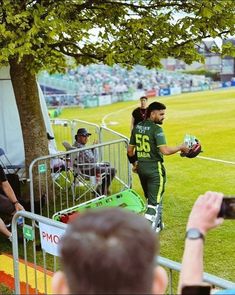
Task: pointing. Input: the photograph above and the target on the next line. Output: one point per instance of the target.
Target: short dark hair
(155, 106)
(109, 251)
(144, 97)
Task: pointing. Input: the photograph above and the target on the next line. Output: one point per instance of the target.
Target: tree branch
(90, 4)
(77, 56)
(176, 3)
(198, 38)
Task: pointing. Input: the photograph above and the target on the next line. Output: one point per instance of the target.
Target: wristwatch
(194, 234)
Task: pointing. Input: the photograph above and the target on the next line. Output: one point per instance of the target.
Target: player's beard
(159, 122)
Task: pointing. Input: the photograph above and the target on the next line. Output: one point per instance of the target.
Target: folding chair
(89, 183)
(68, 146)
(7, 165)
(60, 172)
(60, 177)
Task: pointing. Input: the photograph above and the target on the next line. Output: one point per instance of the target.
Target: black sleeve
(134, 112)
(196, 290)
(2, 175)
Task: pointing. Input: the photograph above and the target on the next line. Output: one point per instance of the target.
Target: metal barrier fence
(174, 266)
(62, 130)
(38, 266)
(57, 183)
(66, 130)
(33, 267)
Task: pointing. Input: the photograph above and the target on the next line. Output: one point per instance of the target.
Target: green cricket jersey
(148, 137)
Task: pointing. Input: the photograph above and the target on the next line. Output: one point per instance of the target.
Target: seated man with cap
(89, 158)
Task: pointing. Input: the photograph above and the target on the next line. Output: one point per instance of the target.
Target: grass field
(210, 116)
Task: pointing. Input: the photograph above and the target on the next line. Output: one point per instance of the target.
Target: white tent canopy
(11, 139)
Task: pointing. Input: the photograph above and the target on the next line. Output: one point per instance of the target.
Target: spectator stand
(95, 85)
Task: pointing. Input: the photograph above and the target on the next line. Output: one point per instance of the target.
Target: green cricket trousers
(152, 176)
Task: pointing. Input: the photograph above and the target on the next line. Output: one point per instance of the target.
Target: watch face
(194, 234)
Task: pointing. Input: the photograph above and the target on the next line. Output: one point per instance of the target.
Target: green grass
(210, 116)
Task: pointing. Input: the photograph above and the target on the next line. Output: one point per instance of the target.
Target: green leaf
(206, 12)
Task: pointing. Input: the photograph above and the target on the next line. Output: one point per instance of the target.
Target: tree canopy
(125, 31)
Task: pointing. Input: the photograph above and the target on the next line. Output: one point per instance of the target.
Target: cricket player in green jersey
(149, 142)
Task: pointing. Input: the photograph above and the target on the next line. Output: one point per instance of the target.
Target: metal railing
(36, 264)
(56, 188)
(174, 266)
(66, 130)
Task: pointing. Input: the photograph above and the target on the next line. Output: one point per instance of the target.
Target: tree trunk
(28, 103)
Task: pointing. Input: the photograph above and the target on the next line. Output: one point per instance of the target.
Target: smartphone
(227, 210)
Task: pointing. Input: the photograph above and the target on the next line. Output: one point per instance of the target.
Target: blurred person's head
(143, 102)
(109, 251)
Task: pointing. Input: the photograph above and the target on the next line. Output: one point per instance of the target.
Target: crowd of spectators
(104, 79)
(99, 79)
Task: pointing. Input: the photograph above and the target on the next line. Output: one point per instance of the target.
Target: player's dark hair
(144, 97)
(155, 106)
(109, 251)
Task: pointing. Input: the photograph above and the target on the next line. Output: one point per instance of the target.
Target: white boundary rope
(216, 160)
(116, 112)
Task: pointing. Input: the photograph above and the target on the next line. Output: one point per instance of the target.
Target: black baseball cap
(83, 131)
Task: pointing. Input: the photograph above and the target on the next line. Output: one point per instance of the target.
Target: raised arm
(202, 218)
